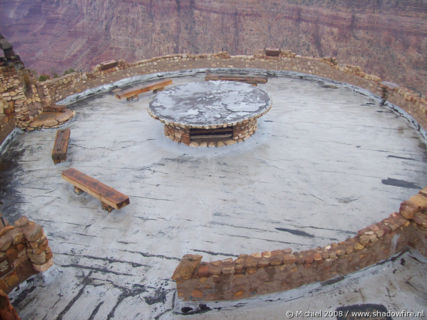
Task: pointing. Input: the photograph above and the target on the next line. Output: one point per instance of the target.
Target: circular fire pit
(211, 113)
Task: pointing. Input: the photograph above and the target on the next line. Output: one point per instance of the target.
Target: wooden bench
(109, 197)
(254, 80)
(133, 94)
(105, 65)
(59, 151)
(272, 52)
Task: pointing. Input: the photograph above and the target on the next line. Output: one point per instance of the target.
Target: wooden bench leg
(158, 89)
(106, 207)
(78, 190)
(132, 98)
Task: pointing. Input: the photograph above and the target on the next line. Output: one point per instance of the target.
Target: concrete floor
(324, 162)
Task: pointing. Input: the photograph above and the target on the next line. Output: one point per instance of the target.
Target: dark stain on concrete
(296, 232)
(398, 157)
(400, 183)
(9, 170)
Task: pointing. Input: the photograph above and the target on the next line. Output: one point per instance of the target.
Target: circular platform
(209, 104)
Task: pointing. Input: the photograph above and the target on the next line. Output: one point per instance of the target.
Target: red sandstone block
(251, 261)
(228, 267)
(240, 263)
(6, 229)
(384, 227)
(185, 269)
(43, 267)
(407, 211)
(203, 270)
(11, 254)
(238, 294)
(420, 219)
(299, 256)
(400, 220)
(418, 201)
(251, 270)
(308, 256)
(215, 267)
(44, 243)
(32, 231)
(374, 227)
(196, 294)
(17, 236)
(358, 246)
(266, 254)
(3, 286)
(276, 257)
(12, 279)
(379, 233)
(362, 231)
(263, 262)
(5, 242)
(317, 256)
(289, 258)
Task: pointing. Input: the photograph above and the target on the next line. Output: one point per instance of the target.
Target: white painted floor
(325, 162)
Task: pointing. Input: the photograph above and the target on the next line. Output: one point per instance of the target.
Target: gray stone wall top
(209, 104)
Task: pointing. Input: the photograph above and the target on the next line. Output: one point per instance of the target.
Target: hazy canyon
(384, 37)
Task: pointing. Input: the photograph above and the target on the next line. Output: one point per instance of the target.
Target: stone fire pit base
(212, 137)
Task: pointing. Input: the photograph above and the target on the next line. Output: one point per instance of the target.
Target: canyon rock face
(384, 37)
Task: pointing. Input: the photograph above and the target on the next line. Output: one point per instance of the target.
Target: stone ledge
(51, 119)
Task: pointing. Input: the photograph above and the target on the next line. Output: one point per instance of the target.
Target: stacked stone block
(18, 90)
(244, 129)
(177, 133)
(280, 270)
(241, 131)
(24, 251)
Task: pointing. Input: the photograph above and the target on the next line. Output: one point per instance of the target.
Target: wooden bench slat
(239, 78)
(95, 188)
(272, 52)
(135, 92)
(60, 147)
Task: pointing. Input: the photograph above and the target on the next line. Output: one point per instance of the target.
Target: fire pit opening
(218, 134)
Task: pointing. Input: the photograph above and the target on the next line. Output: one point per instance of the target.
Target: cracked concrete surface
(323, 163)
(209, 103)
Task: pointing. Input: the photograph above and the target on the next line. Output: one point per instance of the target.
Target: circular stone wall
(325, 162)
(211, 113)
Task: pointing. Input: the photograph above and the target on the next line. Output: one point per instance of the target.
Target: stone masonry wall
(244, 130)
(19, 93)
(279, 270)
(177, 134)
(24, 251)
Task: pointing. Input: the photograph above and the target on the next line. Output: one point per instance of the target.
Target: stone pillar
(24, 251)
(177, 134)
(244, 130)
